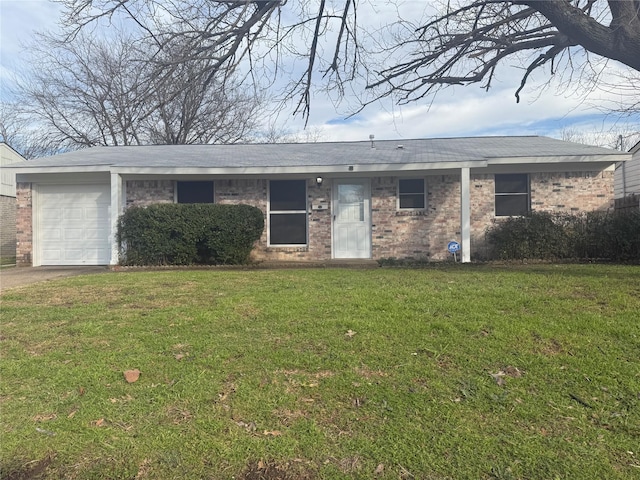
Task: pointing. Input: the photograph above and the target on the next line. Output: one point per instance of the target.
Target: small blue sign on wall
(453, 247)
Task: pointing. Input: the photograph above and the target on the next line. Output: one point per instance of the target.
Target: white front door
(351, 219)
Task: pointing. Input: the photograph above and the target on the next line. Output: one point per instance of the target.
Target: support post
(116, 210)
(465, 214)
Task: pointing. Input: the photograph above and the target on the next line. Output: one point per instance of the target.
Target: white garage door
(74, 224)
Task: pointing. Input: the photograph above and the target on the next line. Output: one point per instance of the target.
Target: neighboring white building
(627, 177)
(8, 200)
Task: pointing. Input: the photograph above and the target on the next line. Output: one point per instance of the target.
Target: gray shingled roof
(386, 152)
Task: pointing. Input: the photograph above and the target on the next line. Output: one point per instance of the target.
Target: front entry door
(352, 219)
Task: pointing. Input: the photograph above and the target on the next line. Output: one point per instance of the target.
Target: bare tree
(461, 44)
(85, 92)
(208, 111)
(618, 139)
(18, 130)
(625, 89)
(93, 91)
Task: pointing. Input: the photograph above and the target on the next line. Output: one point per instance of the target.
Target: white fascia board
(25, 169)
(297, 170)
(63, 178)
(543, 167)
(611, 158)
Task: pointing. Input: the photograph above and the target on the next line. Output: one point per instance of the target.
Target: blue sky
(459, 111)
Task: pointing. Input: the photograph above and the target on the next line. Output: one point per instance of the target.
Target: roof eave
(606, 158)
(297, 170)
(27, 169)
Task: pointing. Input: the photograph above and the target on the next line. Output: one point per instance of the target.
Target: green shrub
(613, 236)
(186, 234)
(538, 235)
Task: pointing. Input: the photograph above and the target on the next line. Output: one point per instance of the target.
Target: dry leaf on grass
(272, 433)
(513, 372)
(379, 469)
(132, 375)
(249, 427)
(498, 377)
(45, 417)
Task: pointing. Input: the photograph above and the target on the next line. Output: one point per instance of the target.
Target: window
(411, 193)
(512, 194)
(287, 212)
(195, 192)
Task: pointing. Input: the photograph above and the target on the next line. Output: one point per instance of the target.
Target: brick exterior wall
(565, 192)
(145, 192)
(415, 234)
(7, 226)
(24, 225)
(572, 191)
(395, 233)
(253, 192)
(426, 234)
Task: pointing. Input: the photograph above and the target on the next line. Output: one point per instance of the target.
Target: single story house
(8, 156)
(627, 181)
(322, 201)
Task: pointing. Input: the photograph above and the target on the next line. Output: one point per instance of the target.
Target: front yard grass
(479, 372)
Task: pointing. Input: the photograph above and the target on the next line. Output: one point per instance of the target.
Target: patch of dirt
(297, 379)
(247, 311)
(143, 469)
(350, 464)
(547, 346)
(288, 417)
(270, 470)
(28, 471)
(177, 414)
(368, 373)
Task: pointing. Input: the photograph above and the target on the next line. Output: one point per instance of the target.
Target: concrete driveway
(17, 276)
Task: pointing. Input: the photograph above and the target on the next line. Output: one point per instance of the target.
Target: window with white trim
(194, 192)
(412, 194)
(513, 195)
(287, 212)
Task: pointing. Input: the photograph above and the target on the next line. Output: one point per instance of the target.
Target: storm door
(352, 219)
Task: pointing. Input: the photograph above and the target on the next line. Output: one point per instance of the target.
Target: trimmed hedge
(187, 234)
(613, 236)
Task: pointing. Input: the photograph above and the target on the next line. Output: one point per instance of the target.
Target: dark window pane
(412, 201)
(512, 183)
(288, 228)
(288, 195)
(512, 205)
(195, 192)
(411, 192)
(411, 185)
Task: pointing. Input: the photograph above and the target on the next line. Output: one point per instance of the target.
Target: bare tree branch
(106, 92)
(464, 43)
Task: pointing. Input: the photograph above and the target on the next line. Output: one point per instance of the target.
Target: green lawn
(457, 372)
